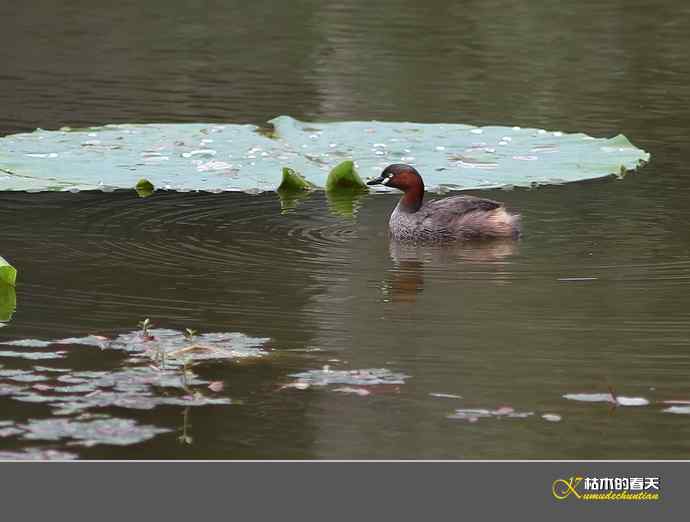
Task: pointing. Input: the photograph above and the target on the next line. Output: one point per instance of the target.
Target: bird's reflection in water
(411, 260)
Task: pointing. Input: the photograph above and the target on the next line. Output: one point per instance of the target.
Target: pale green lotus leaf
(214, 157)
(457, 156)
(182, 157)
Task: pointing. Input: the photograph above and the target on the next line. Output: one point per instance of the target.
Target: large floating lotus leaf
(237, 157)
(457, 156)
(180, 157)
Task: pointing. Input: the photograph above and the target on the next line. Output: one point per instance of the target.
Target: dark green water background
(493, 324)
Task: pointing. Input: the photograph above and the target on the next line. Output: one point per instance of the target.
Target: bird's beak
(377, 181)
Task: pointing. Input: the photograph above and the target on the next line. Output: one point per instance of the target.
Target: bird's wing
(459, 205)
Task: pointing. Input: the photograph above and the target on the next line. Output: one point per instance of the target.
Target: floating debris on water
(99, 341)
(352, 390)
(9, 389)
(12, 373)
(631, 401)
(359, 382)
(617, 400)
(9, 432)
(29, 343)
(138, 385)
(132, 401)
(590, 397)
(28, 377)
(117, 432)
(216, 386)
(446, 395)
(296, 385)
(33, 355)
(49, 369)
(37, 454)
(679, 410)
(154, 342)
(368, 377)
(474, 414)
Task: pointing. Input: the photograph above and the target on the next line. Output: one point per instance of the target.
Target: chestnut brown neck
(412, 200)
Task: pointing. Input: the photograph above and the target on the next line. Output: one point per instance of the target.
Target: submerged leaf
(8, 274)
(294, 182)
(290, 200)
(8, 301)
(144, 188)
(293, 189)
(345, 189)
(344, 176)
(345, 201)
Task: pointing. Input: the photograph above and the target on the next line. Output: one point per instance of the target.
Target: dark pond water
(597, 294)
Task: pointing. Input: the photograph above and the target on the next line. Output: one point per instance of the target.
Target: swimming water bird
(447, 219)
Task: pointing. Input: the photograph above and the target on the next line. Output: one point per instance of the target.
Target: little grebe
(456, 217)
